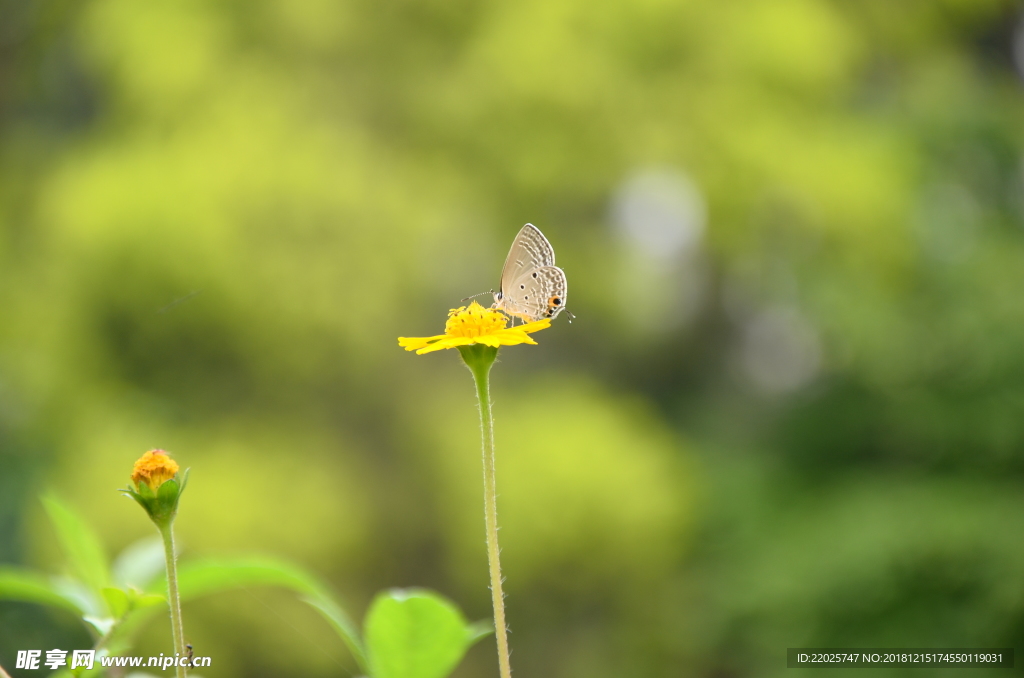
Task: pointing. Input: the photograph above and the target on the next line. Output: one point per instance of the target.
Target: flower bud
(157, 485)
(154, 468)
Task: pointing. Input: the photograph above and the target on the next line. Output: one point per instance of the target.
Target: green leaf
(140, 563)
(214, 575)
(203, 577)
(117, 601)
(137, 497)
(81, 545)
(29, 587)
(101, 624)
(477, 631)
(341, 623)
(414, 634)
(84, 598)
(145, 600)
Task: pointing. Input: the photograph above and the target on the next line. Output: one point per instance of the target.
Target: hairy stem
(480, 364)
(173, 600)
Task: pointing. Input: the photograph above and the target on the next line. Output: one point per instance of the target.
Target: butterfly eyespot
(555, 301)
(522, 287)
(534, 274)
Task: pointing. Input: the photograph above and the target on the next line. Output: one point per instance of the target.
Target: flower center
(474, 321)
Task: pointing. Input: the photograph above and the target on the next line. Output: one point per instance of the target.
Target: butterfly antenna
(474, 296)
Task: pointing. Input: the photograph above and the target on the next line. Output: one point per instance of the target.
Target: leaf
(140, 563)
(414, 633)
(29, 587)
(101, 624)
(117, 601)
(129, 492)
(341, 623)
(145, 600)
(214, 575)
(477, 631)
(203, 577)
(80, 544)
(85, 599)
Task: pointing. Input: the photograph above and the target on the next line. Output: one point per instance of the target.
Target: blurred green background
(790, 411)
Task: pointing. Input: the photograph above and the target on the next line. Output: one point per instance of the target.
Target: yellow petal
(413, 343)
(535, 326)
(446, 342)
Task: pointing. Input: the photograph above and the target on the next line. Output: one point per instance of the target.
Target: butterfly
(532, 287)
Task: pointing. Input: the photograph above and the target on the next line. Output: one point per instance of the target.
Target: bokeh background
(790, 411)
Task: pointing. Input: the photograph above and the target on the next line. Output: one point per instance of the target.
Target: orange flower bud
(154, 468)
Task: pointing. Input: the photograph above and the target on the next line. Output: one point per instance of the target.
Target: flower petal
(445, 342)
(513, 337)
(413, 343)
(535, 326)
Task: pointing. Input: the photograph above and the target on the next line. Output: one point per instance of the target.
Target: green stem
(173, 600)
(479, 359)
(102, 642)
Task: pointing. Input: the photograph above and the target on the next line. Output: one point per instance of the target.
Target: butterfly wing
(530, 250)
(538, 293)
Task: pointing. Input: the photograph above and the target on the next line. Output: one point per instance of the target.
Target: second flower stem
(173, 599)
(480, 366)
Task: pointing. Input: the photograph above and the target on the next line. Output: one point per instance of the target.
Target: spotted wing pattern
(537, 293)
(530, 250)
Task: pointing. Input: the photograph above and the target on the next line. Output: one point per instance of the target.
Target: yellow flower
(475, 325)
(154, 468)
